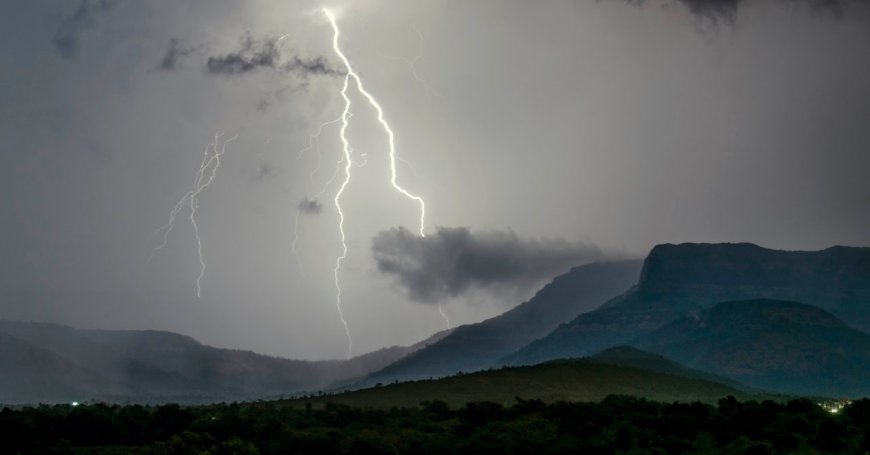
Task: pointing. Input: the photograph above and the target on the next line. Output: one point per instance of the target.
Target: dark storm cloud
(66, 37)
(264, 54)
(455, 260)
(310, 206)
(317, 66)
(251, 56)
(174, 55)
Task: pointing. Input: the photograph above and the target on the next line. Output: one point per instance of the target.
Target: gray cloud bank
(453, 261)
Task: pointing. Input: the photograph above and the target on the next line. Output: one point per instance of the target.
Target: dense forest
(615, 425)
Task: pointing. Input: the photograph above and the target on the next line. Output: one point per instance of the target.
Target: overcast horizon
(541, 135)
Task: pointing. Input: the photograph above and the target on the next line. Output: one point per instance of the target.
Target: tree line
(616, 425)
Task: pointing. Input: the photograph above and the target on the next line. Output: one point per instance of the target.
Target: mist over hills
(50, 362)
(677, 279)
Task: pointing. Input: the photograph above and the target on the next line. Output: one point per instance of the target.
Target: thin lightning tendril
(347, 167)
(209, 161)
(166, 228)
(194, 203)
(313, 144)
(413, 64)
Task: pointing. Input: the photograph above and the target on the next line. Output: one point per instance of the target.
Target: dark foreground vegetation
(616, 425)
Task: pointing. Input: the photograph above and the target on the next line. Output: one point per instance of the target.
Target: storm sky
(554, 133)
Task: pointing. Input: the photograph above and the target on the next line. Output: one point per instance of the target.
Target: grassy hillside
(569, 380)
(629, 356)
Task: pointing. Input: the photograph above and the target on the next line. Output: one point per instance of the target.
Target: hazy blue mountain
(772, 344)
(690, 277)
(50, 362)
(476, 346)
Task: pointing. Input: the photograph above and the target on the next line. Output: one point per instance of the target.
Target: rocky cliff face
(837, 278)
(689, 277)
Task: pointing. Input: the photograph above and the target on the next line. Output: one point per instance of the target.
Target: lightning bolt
(211, 160)
(348, 164)
(386, 126)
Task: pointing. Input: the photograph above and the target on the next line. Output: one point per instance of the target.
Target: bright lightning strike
(390, 135)
(211, 160)
(348, 164)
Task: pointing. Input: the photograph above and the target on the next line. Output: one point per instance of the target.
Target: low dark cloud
(66, 37)
(317, 66)
(254, 55)
(310, 206)
(453, 261)
(175, 54)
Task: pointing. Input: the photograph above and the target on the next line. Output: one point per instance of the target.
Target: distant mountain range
(50, 362)
(677, 279)
(726, 314)
(476, 346)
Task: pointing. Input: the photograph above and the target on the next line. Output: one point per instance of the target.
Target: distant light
(74, 403)
(834, 410)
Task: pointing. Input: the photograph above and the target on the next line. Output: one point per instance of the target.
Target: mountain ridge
(676, 279)
(476, 346)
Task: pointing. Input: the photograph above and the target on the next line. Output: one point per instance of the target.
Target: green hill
(565, 380)
(629, 356)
